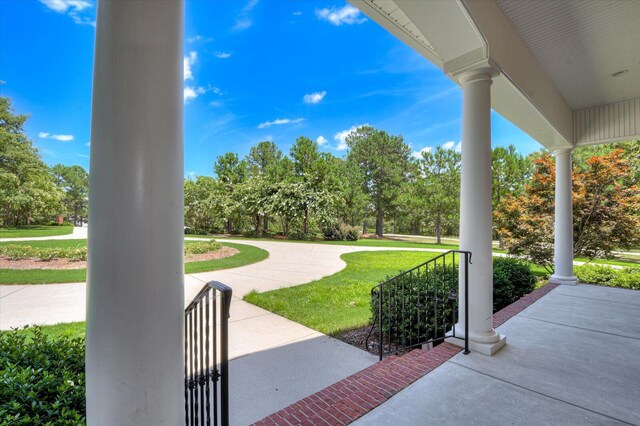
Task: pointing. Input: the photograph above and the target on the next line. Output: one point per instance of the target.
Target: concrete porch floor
(571, 358)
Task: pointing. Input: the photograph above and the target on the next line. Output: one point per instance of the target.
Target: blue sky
(254, 70)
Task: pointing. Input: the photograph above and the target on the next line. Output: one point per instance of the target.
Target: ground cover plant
(604, 275)
(42, 379)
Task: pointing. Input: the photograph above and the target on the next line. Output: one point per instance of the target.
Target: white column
(135, 294)
(476, 211)
(563, 231)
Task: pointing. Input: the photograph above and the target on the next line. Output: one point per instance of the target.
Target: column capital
(561, 151)
(484, 70)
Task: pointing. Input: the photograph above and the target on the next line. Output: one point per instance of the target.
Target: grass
(247, 255)
(341, 301)
(35, 231)
(70, 329)
(360, 243)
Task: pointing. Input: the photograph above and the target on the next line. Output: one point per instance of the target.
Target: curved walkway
(288, 264)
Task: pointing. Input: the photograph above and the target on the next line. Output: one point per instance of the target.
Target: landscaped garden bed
(60, 261)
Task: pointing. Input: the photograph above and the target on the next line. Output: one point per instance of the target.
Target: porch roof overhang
(569, 71)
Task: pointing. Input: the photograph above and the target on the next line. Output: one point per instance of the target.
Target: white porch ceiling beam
(522, 70)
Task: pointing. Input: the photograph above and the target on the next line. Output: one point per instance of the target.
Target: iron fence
(419, 306)
(206, 357)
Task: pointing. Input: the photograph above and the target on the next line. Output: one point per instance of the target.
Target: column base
(557, 279)
(484, 348)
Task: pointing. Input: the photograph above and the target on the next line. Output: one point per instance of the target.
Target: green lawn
(35, 231)
(360, 243)
(69, 329)
(341, 301)
(247, 255)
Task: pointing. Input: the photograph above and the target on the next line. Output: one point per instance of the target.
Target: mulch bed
(23, 264)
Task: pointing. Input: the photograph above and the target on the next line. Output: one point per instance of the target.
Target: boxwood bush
(41, 379)
(408, 316)
(607, 276)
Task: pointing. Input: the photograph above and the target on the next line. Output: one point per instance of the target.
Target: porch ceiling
(581, 44)
(556, 59)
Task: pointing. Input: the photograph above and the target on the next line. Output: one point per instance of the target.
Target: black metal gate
(206, 357)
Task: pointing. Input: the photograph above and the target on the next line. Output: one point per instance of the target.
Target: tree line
(30, 191)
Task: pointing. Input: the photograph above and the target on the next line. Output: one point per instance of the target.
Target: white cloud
(223, 55)
(198, 38)
(347, 15)
(244, 20)
(278, 122)
(452, 145)
(448, 145)
(188, 62)
(242, 24)
(321, 140)
(88, 143)
(62, 6)
(314, 98)
(418, 154)
(61, 138)
(72, 8)
(341, 137)
(297, 12)
(191, 93)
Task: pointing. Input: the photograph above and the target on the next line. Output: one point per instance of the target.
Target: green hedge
(512, 279)
(608, 276)
(19, 252)
(41, 380)
(409, 316)
(202, 247)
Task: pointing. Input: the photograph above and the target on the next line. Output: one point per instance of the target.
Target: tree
(263, 161)
(74, 182)
(510, 171)
(202, 204)
(606, 210)
(439, 184)
(384, 161)
(27, 191)
(231, 173)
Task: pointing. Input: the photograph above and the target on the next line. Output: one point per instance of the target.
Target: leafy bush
(41, 380)
(417, 308)
(512, 279)
(20, 252)
(299, 235)
(340, 232)
(607, 276)
(202, 247)
(410, 313)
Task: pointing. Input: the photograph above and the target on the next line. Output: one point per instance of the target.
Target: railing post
(380, 334)
(224, 354)
(467, 261)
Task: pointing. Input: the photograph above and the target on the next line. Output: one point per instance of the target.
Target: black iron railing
(206, 357)
(419, 306)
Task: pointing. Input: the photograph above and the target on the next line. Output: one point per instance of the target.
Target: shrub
(41, 380)
(20, 252)
(299, 235)
(202, 247)
(340, 232)
(607, 276)
(408, 316)
(405, 318)
(512, 279)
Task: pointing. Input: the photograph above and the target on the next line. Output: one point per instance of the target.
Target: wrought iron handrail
(204, 367)
(414, 307)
